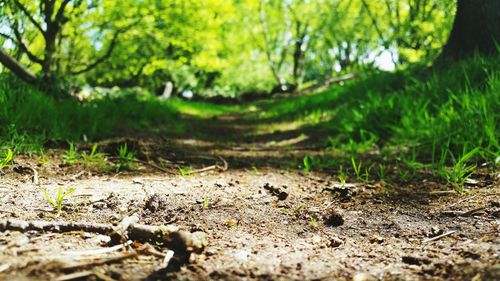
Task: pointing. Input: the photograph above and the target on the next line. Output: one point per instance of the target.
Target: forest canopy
(219, 47)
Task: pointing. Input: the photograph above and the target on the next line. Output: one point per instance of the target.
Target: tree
(476, 28)
(36, 31)
(53, 17)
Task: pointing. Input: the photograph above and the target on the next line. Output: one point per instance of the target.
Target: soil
(262, 219)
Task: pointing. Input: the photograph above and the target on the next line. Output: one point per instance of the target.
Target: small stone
(282, 196)
(137, 181)
(335, 242)
(363, 276)
(375, 239)
(155, 203)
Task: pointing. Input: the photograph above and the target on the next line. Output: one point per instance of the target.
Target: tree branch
(18, 69)
(60, 11)
(374, 22)
(7, 37)
(109, 51)
(30, 16)
(24, 48)
(265, 33)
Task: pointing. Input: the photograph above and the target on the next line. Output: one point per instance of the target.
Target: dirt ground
(262, 221)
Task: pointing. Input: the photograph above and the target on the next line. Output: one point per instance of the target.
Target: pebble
(363, 276)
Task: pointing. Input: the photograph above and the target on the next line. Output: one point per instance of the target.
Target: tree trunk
(476, 29)
(13, 65)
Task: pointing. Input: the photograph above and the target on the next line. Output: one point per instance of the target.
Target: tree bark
(19, 70)
(476, 29)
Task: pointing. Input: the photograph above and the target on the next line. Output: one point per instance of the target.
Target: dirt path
(263, 221)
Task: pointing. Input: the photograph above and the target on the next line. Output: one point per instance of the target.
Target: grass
(185, 171)
(457, 174)
(71, 156)
(29, 119)
(6, 158)
(57, 202)
(125, 158)
(205, 203)
(307, 164)
(445, 120)
(94, 158)
(422, 116)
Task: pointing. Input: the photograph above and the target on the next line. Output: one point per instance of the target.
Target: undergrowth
(29, 119)
(443, 119)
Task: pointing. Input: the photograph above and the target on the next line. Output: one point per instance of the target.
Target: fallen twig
(4, 267)
(35, 176)
(120, 232)
(442, 192)
(472, 212)
(77, 175)
(463, 214)
(154, 166)
(23, 169)
(103, 276)
(439, 236)
(145, 249)
(209, 168)
(147, 164)
(76, 275)
(463, 200)
(170, 236)
(99, 261)
(225, 167)
(20, 225)
(97, 251)
(206, 169)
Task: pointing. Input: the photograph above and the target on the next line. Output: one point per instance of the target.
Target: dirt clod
(415, 260)
(155, 202)
(332, 217)
(282, 195)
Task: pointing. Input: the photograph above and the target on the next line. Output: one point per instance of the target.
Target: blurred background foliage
(223, 47)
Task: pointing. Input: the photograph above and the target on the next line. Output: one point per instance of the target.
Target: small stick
(100, 261)
(472, 212)
(120, 232)
(76, 275)
(209, 168)
(77, 175)
(97, 251)
(21, 225)
(439, 236)
(168, 235)
(103, 276)
(35, 176)
(464, 214)
(147, 164)
(4, 267)
(463, 200)
(154, 166)
(225, 167)
(442, 192)
(150, 250)
(206, 169)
